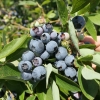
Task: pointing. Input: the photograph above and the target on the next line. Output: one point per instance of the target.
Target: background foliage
(16, 19)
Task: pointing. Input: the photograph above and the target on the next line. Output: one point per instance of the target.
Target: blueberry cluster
(45, 44)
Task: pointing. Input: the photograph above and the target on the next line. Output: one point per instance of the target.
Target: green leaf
(0, 43)
(51, 14)
(27, 3)
(66, 84)
(73, 35)
(16, 55)
(22, 96)
(90, 46)
(12, 46)
(64, 91)
(16, 86)
(84, 10)
(1, 83)
(41, 90)
(62, 11)
(10, 72)
(57, 28)
(55, 91)
(32, 97)
(95, 19)
(86, 52)
(49, 70)
(41, 96)
(93, 4)
(85, 58)
(49, 94)
(96, 59)
(91, 28)
(89, 87)
(78, 4)
(89, 74)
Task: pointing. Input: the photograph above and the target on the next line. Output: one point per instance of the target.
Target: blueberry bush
(40, 55)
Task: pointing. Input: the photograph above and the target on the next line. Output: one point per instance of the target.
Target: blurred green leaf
(55, 91)
(12, 46)
(49, 70)
(51, 14)
(89, 87)
(62, 11)
(95, 19)
(27, 3)
(73, 35)
(85, 58)
(66, 84)
(93, 4)
(36, 10)
(96, 59)
(92, 74)
(57, 29)
(45, 2)
(86, 52)
(91, 28)
(4, 38)
(0, 43)
(78, 4)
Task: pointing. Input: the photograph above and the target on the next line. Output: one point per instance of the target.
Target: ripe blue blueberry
(37, 61)
(45, 37)
(53, 35)
(24, 66)
(38, 73)
(47, 27)
(60, 65)
(70, 72)
(26, 75)
(62, 53)
(36, 46)
(37, 31)
(51, 47)
(45, 55)
(69, 60)
(28, 55)
(32, 32)
(79, 22)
